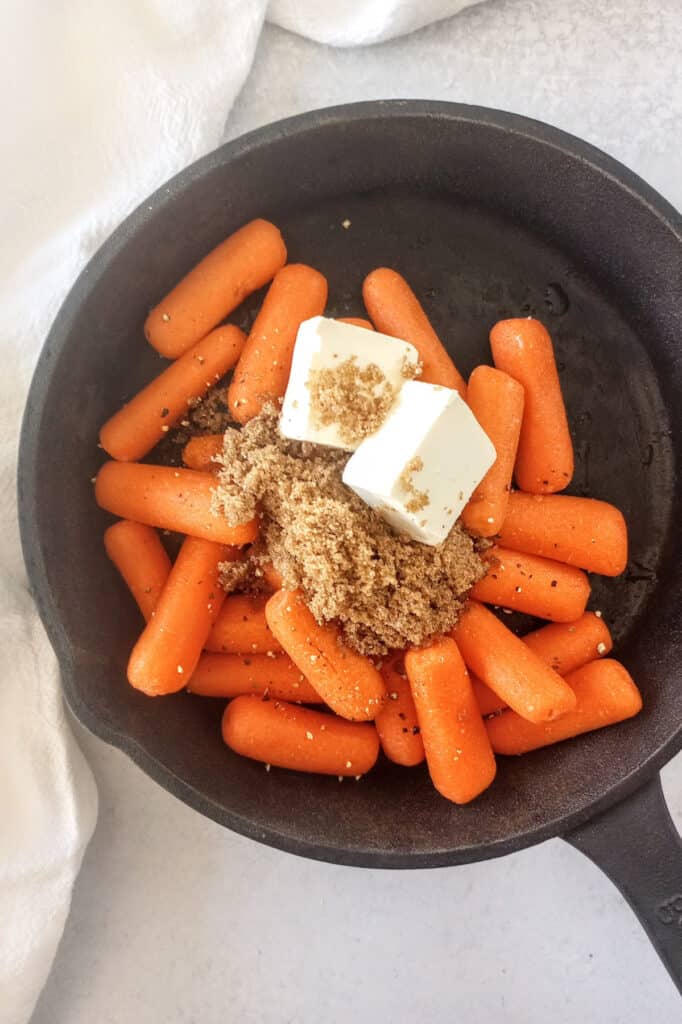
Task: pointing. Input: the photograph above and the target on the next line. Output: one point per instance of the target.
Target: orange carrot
(138, 426)
(272, 576)
(580, 531)
(172, 499)
(538, 586)
(397, 723)
(346, 681)
(141, 559)
(290, 736)
(356, 321)
(167, 653)
(496, 400)
(241, 627)
(524, 350)
(241, 264)
(262, 373)
(503, 662)
(565, 646)
(394, 309)
(488, 701)
(229, 675)
(458, 754)
(200, 452)
(605, 694)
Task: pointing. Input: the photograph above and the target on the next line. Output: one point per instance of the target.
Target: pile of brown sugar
(354, 398)
(385, 590)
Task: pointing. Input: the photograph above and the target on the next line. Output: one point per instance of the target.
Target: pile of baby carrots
(298, 697)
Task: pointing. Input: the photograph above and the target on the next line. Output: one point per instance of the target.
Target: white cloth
(102, 103)
(359, 22)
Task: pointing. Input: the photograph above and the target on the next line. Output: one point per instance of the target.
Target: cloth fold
(359, 22)
(103, 102)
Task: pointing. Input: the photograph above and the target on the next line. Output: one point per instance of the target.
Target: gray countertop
(175, 919)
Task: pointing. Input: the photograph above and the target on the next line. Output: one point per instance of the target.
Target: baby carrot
(356, 321)
(580, 531)
(537, 586)
(165, 656)
(605, 694)
(397, 723)
(141, 559)
(241, 627)
(138, 426)
(565, 646)
(524, 350)
(394, 309)
(199, 453)
(272, 576)
(262, 373)
(172, 499)
(488, 701)
(290, 736)
(503, 662)
(241, 264)
(229, 675)
(458, 753)
(496, 400)
(345, 680)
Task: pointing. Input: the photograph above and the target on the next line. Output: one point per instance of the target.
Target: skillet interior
(488, 215)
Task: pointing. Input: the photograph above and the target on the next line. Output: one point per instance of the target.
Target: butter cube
(423, 463)
(374, 366)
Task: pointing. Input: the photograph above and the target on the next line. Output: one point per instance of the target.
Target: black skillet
(489, 215)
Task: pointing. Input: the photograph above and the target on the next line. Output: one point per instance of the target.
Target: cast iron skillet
(489, 215)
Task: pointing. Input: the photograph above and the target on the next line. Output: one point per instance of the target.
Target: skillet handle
(637, 845)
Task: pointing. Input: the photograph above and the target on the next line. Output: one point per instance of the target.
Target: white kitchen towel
(101, 103)
(359, 22)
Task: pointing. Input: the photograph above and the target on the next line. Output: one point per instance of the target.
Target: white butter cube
(422, 465)
(325, 345)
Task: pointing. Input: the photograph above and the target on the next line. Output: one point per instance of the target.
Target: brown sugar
(385, 590)
(356, 399)
(418, 499)
(207, 415)
(211, 413)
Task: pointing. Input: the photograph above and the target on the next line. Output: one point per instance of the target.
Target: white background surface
(176, 920)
